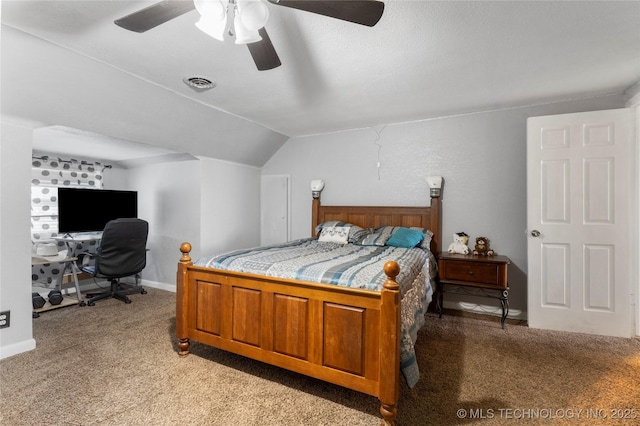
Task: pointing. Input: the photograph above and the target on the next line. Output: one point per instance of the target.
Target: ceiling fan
(248, 18)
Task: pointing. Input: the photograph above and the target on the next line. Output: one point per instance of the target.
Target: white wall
(15, 250)
(169, 199)
(636, 274)
(230, 209)
(481, 156)
(214, 205)
(116, 178)
(635, 283)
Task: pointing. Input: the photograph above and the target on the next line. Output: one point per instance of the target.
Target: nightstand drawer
(470, 271)
(476, 271)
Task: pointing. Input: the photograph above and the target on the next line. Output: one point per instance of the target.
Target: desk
(72, 241)
(80, 238)
(68, 262)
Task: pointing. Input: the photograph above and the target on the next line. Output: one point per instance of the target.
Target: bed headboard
(372, 217)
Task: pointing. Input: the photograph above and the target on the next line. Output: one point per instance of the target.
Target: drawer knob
(470, 272)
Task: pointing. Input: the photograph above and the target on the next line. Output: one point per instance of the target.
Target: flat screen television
(89, 210)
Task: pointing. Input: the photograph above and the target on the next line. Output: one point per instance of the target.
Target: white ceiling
(74, 143)
(64, 63)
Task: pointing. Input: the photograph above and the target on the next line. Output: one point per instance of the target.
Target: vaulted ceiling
(65, 63)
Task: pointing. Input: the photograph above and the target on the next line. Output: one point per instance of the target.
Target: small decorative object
(482, 247)
(459, 244)
(46, 249)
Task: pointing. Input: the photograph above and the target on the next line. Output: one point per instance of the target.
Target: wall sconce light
(317, 185)
(435, 185)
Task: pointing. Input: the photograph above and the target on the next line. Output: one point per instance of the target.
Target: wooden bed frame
(349, 337)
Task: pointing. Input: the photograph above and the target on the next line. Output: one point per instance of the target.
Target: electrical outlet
(5, 319)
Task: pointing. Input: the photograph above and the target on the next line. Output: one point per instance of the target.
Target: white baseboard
(160, 286)
(89, 284)
(17, 348)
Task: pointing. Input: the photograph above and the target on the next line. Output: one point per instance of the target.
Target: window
(47, 175)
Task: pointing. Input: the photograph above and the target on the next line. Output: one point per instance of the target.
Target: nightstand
(476, 275)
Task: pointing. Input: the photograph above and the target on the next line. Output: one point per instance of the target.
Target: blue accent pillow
(405, 237)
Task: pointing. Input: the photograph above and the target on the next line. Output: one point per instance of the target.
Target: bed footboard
(348, 337)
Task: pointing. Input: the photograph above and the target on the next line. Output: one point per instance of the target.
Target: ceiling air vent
(199, 84)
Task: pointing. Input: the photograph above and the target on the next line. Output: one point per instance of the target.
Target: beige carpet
(116, 364)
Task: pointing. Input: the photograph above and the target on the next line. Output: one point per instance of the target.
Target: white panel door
(274, 209)
(579, 196)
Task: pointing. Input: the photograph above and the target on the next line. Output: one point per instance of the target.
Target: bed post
(315, 212)
(182, 299)
(389, 391)
(436, 210)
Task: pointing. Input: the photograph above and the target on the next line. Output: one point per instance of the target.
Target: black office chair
(122, 253)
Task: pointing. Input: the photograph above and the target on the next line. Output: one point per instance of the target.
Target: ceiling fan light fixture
(243, 34)
(213, 17)
(253, 13)
(211, 27)
(215, 9)
(249, 18)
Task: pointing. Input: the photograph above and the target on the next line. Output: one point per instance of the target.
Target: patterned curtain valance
(73, 173)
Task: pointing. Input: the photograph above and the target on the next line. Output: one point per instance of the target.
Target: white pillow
(335, 234)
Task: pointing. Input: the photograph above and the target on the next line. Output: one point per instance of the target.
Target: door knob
(535, 233)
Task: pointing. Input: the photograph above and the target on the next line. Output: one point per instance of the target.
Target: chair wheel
(83, 303)
(127, 300)
(91, 303)
(143, 291)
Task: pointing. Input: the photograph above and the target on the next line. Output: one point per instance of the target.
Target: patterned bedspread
(347, 265)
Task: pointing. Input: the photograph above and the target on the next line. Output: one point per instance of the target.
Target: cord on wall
(375, 142)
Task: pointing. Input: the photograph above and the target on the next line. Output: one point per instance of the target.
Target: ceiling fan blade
(263, 52)
(364, 12)
(154, 15)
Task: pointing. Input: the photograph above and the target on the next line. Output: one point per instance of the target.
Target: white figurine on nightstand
(459, 244)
